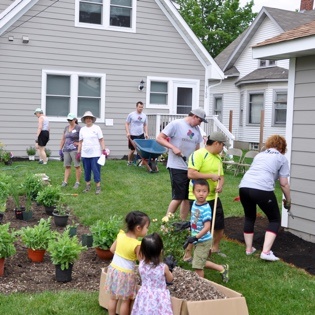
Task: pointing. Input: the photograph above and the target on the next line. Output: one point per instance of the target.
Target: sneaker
(64, 184)
(40, 162)
(225, 273)
(251, 252)
(87, 188)
(98, 190)
(129, 163)
(269, 257)
(76, 185)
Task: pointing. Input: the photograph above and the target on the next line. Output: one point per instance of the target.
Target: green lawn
(269, 288)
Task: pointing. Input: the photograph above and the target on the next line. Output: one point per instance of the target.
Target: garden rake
(214, 210)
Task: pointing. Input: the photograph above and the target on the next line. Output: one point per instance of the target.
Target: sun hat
(200, 113)
(88, 114)
(38, 110)
(71, 116)
(217, 136)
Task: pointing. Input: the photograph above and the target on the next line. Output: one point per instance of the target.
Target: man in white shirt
(136, 128)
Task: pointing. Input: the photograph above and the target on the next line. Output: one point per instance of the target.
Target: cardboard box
(234, 304)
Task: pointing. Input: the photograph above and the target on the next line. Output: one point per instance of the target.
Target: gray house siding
(303, 152)
(155, 49)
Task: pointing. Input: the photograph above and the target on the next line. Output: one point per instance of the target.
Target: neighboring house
(250, 85)
(298, 45)
(104, 56)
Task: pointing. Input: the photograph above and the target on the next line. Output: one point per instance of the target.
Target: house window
(266, 63)
(255, 106)
(217, 107)
(121, 13)
(159, 93)
(179, 96)
(106, 14)
(65, 93)
(91, 11)
(280, 108)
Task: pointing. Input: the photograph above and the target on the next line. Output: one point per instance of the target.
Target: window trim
(275, 92)
(268, 65)
(74, 79)
(248, 109)
(106, 16)
(215, 97)
(242, 106)
(172, 83)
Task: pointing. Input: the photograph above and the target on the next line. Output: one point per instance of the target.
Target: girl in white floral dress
(153, 297)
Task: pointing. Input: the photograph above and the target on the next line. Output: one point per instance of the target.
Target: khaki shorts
(201, 253)
(69, 157)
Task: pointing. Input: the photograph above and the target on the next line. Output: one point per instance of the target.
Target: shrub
(105, 232)
(64, 250)
(173, 240)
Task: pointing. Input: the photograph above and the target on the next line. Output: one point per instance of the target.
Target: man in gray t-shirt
(136, 128)
(182, 137)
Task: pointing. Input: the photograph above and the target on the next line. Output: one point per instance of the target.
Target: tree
(216, 22)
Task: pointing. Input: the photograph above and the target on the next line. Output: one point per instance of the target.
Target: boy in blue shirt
(200, 221)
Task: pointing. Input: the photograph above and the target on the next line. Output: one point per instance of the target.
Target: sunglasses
(70, 119)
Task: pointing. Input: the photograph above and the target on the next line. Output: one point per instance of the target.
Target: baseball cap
(217, 136)
(200, 113)
(71, 116)
(38, 110)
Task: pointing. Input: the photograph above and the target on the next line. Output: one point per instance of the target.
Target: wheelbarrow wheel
(153, 166)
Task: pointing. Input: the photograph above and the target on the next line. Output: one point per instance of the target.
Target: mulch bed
(21, 275)
(287, 246)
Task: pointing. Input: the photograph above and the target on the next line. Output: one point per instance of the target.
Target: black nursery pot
(64, 275)
(19, 213)
(1, 217)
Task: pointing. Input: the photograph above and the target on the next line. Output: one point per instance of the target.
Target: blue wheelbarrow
(149, 151)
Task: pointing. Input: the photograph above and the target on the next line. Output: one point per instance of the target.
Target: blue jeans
(90, 165)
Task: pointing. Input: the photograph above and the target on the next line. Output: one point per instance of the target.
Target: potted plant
(49, 197)
(31, 152)
(5, 189)
(28, 213)
(33, 185)
(64, 251)
(7, 247)
(104, 234)
(36, 239)
(6, 157)
(61, 214)
(73, 229)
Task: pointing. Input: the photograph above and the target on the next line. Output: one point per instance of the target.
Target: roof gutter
(12, 14)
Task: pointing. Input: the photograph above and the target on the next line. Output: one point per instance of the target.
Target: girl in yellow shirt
(121, 279)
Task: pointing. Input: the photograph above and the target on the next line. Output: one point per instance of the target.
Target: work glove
(170, 262)
(181, 226)
(190, 240)
(104, 152)
(287, 204)
(78, 157)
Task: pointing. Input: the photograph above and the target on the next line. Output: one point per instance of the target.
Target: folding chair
(232, 159)
(246, 161)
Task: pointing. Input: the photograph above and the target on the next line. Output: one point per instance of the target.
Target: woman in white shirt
(91, 146)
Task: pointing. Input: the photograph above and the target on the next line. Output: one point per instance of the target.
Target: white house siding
(231, 94)
(303, 152)
(155, 49)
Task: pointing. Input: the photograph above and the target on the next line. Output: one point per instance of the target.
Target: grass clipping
(187, 285)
